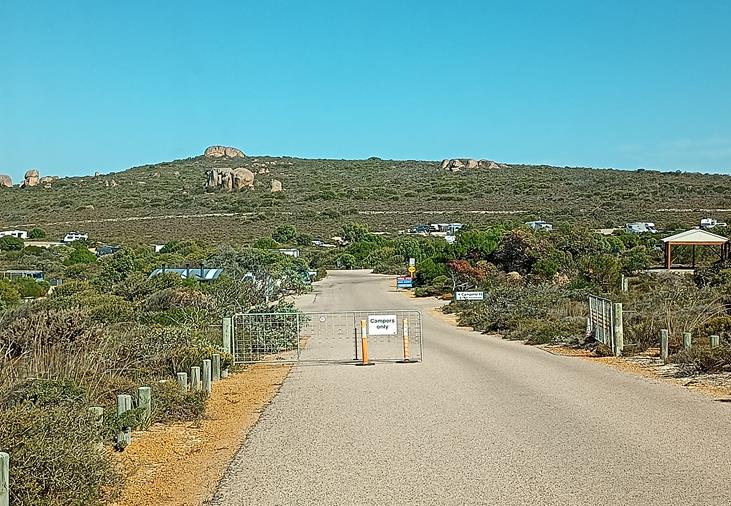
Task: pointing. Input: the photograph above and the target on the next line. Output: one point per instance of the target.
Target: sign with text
(469, 295)
(404, 282)
(382, 325)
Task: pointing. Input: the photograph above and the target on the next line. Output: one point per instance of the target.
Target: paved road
(480, 421)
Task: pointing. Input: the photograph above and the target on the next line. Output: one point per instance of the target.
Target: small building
(196, 273)
(107, 250)
(540, 225)
(290, 252)
(640, 228)
(75, 236)
(158, 247)
(17, 274)
(20, 234)
(695, 237)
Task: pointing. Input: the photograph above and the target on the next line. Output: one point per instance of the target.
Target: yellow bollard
(407, 352)
(364, 343)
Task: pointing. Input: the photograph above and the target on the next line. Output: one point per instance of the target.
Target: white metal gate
(322, 337)
(601, 320)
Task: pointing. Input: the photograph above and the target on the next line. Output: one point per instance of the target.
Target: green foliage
(37, 233)
(10, 243)
(80, 256)
(704, 360)
(48, 430)
(284, 234)
(29, 287)
(9, 293)
(265, 243)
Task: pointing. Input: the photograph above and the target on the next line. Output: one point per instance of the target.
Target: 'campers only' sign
(382, 325)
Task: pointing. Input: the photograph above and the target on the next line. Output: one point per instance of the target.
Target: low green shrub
(53, 441)
(704, 360)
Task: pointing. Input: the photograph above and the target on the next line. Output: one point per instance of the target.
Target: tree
(284, 234)
(355, 232)
(10, 243)
(37, 233)
(29, 287)
(8, 292)
(266, 243)
(80, 256)
(477, 244)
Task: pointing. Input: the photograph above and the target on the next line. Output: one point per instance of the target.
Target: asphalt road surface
(479, 421)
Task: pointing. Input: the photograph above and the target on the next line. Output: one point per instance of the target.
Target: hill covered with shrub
(170, 201)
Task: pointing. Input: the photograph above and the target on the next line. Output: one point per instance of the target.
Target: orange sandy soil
(181, 464)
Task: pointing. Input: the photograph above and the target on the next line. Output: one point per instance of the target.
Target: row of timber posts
(714, 341)
(211, 372)
(201, 379)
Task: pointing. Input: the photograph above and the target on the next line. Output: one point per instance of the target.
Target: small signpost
(469, 296)
(404, 282)
(412, 269)
(382, 325)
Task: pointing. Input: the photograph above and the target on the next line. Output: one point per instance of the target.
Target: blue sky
(89, 85)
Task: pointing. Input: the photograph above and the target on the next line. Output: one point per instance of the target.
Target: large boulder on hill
(6, 181)
(223, 151)
(457, 164)
(229, 179)
(48, 179)
(32, 178)
(276, 186)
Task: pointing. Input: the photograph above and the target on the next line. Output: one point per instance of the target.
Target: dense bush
(704, 360)
(53, 441)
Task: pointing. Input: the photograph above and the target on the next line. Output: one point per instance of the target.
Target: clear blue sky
(94, 85)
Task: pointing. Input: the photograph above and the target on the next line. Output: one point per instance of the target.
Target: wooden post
(664, 342)
(97, 414)
(124, 404)
(144, 401)
(618, 324)
(216, 366)
(4, 479)
(183, 381)
(227, 334)
(687, 340)
(715, 341)
(195, 379)
(224, 374)
(207, 376)
(625, 283)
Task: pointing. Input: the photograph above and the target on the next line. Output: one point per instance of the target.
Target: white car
(75, 236)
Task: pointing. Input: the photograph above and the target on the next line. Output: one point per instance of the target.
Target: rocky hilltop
(457, 164)
(6, 181)
(223, 151)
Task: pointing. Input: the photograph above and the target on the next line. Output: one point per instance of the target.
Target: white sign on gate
(382, 325)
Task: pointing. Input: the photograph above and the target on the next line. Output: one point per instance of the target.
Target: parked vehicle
(707, 223)
(640, 228)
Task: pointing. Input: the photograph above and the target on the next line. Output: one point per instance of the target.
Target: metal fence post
(687, 340)
(618, 326)
(714, 341)
(664, 343)
(364, 343)
(4, 479)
